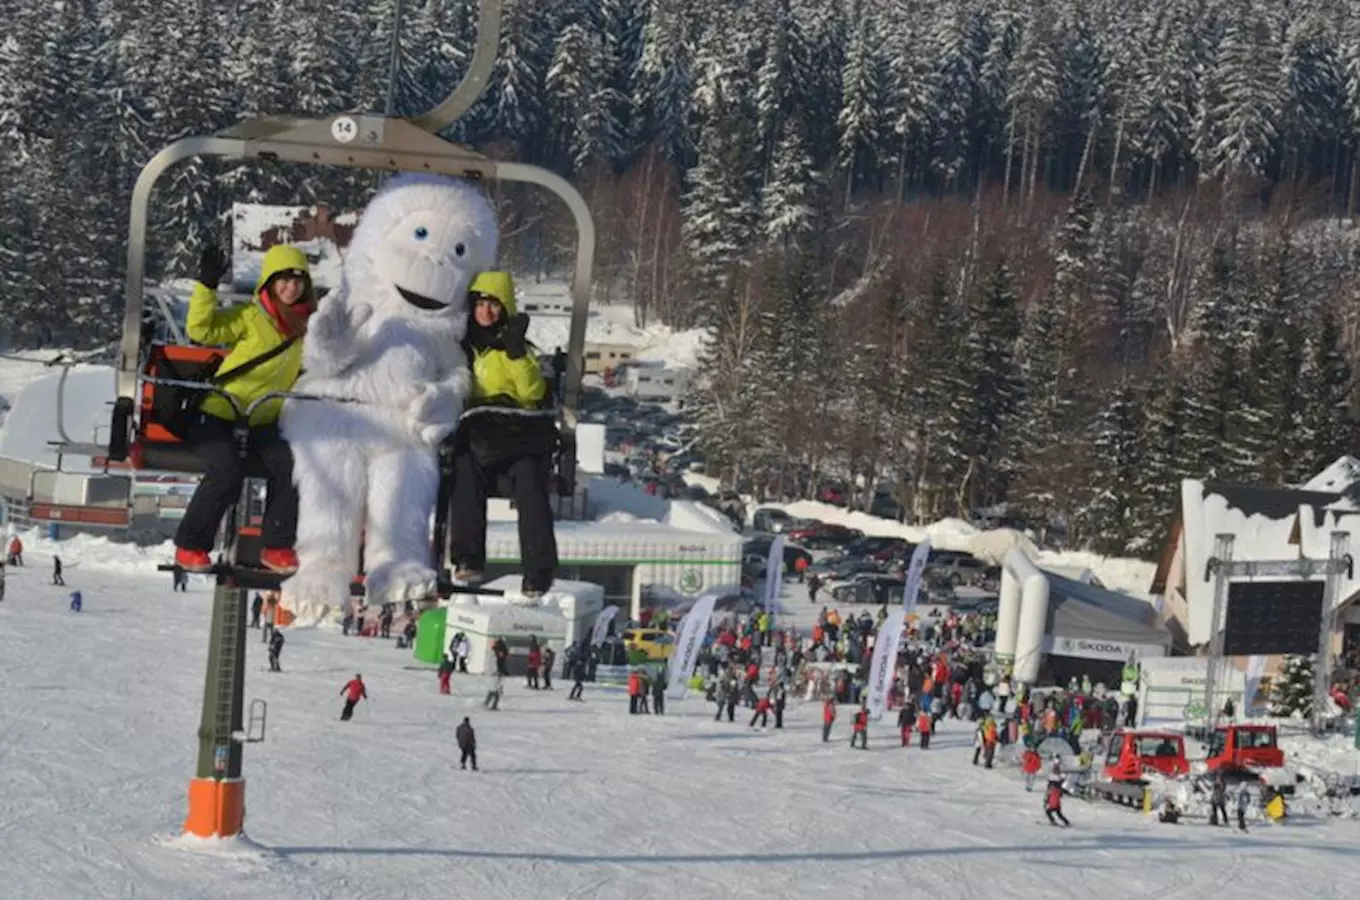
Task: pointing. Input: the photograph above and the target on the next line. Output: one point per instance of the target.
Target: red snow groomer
(1130, 756)
(1244, 749)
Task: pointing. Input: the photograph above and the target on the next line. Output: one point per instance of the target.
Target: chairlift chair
(353, 140)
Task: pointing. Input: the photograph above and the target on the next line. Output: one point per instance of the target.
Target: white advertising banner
(602, 624)
(774, 575)
(692, 630)
(1093, 648)
(883, 667)
(915, 571)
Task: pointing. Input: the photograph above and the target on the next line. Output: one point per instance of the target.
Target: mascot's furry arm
(436, 411)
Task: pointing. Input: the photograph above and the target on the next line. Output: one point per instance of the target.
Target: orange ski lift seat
(152, 445)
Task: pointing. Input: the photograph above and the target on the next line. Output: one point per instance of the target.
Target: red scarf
(291, 321)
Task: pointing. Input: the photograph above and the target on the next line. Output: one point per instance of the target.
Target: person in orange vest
(634, 691)
(923, 724)
(354, 691)
(859, 729)
(828, 717)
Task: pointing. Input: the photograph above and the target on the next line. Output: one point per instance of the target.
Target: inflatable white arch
(1021, 614)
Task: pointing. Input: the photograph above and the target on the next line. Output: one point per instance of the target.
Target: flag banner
(692, 631)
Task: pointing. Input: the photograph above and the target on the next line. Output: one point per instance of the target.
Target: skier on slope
(467, 744)
(354, 691)
(275, 648)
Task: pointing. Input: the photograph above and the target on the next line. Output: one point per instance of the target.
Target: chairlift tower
(354, 140)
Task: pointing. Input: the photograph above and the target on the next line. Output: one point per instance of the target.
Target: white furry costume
(388, 338)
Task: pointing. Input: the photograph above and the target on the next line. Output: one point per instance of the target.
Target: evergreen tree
(1327, 426)
(1291, 694)
(1117, 457)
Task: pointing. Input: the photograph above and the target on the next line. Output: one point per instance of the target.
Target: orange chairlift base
(216, 808)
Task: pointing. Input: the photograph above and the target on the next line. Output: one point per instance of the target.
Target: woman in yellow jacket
(277, 315)
(505, 373)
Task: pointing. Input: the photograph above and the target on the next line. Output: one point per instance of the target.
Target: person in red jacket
(828, 717)
(535, 663)
(16, 551)
(354, 691)
(1053, 803)
(762, 712)
(859, 730)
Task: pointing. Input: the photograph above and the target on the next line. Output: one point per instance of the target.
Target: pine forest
(1051, 254)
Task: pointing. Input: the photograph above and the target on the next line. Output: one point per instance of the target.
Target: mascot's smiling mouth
(420, 301)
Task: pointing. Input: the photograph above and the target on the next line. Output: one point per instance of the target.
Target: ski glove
(515, 330)
(212, 266)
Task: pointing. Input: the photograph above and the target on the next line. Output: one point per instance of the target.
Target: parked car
(870, 587)
(657, 644)
(834, 494)
(824, 535)
(771, 520)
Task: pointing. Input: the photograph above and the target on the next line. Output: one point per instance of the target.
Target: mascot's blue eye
(422, 233)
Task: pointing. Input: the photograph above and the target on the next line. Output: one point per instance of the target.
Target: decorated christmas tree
(1291, 693)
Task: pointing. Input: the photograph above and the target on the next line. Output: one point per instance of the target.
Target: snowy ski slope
(97, 718)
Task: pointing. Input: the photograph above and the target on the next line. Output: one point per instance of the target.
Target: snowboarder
(467, 744)
(275, 648)
(76, 601)
(56, 572)
(354, 691)
(445, 672)
(493, 696)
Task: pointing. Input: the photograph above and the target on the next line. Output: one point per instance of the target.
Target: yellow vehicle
(655, 642)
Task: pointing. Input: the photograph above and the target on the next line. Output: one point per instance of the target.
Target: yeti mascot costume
(388, 341)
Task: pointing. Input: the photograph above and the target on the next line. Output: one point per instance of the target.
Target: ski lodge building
(1270, 613)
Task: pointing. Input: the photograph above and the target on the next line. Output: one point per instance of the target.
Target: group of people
(265, 341)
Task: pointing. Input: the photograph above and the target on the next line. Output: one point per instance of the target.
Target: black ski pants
(1056, 812)
(576, 690)
(211, 440)
(1215, 809)
(469, 755)
(348, 711)
(473, 483)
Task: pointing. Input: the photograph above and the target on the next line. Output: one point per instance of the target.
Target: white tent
(483, 623)
(578, 602)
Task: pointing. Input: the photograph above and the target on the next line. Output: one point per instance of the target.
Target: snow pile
(620, 516)
(1129, 576)
(95, 552)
